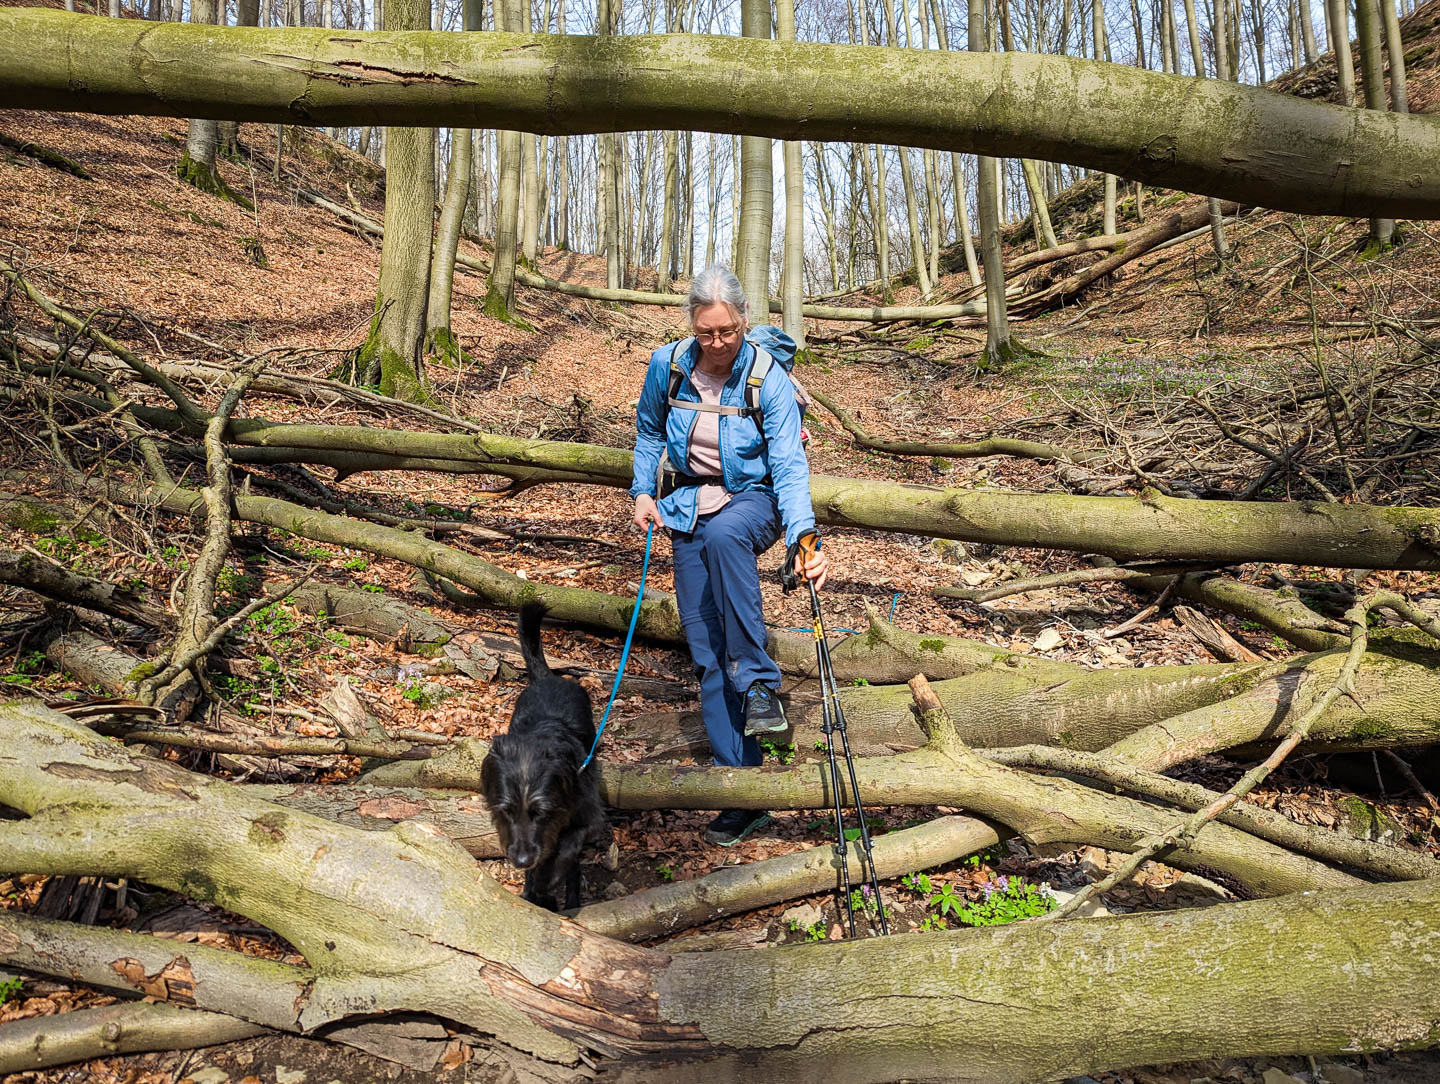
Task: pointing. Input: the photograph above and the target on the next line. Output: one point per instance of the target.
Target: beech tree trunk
(1147, 526)
(1164, 130)
(393, 355)
(757, 198)
(792, 286)
(987, 201)
(447, 239)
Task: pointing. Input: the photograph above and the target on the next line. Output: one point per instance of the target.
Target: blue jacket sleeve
(788, 466)
(650, 422)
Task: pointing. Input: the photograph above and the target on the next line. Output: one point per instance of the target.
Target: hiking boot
(763, 714)
(733, 825)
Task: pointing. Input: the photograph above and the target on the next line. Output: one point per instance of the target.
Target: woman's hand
(813, 565)
(646, 513)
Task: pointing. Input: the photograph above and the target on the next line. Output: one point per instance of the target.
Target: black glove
(789, 579)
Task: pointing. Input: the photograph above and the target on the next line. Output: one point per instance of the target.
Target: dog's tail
(531, 614)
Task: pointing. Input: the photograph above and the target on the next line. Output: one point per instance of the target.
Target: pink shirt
(705, 443)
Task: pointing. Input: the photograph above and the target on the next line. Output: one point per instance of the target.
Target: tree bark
(1395, 49)
(1286, 156)
(1337, 13)
(1370, 32)
(792, 286)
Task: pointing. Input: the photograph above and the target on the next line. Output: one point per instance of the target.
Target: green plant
(989, 854)
(666, 871)
(356, 564)
(26, 667)
(933, 923)
(859, 681)
(813, 932)
(919, 883)
(946, 901)
(784, 752)
(1006, 899)
(10, 989)
(376, 588)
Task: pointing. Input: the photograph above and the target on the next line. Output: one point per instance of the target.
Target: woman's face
(719, 330)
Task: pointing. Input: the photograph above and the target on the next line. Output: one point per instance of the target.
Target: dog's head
(529, 784)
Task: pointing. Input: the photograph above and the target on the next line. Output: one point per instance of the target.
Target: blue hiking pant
(717, 589)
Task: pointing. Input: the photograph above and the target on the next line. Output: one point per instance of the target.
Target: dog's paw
(611, 861)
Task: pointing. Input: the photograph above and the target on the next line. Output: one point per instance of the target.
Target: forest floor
(177, 275)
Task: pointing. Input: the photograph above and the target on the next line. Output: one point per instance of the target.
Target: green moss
(443, 346)
(268, 830)
(936, 645)
(141, 672)
(495, 306)
(52, 158)
(198, 885)
(28, 516)
(207, 179)
(254, 251)
(1367, 729)
(1366, 821)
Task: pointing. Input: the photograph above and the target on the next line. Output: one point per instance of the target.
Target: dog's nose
(522, 859)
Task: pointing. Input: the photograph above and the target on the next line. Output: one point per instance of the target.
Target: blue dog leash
(625, 654)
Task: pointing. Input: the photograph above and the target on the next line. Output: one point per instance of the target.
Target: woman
(736, 480)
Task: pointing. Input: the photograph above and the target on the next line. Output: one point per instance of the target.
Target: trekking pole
(832, 723)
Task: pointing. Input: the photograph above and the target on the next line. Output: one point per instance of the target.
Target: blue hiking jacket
(745, 458)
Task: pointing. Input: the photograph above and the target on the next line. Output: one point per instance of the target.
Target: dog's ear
(490, 769)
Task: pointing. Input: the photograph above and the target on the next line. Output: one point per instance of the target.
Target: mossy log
(1209, 136)
(403, 921)
(1146, 526)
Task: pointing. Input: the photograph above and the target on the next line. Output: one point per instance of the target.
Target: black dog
(544, 807)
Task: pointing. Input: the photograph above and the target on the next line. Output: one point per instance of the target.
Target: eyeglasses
(722, 335)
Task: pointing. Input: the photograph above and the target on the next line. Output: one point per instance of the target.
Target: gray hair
(717, 285)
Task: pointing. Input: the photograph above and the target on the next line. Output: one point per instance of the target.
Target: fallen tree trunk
(53, 580)
(127, 1028)
(1155, 232)
(1289, 153)
(1378, 859)
(1147, 526)
(730, 890)
(1394, 701)
(944, 772)
(403, 921)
